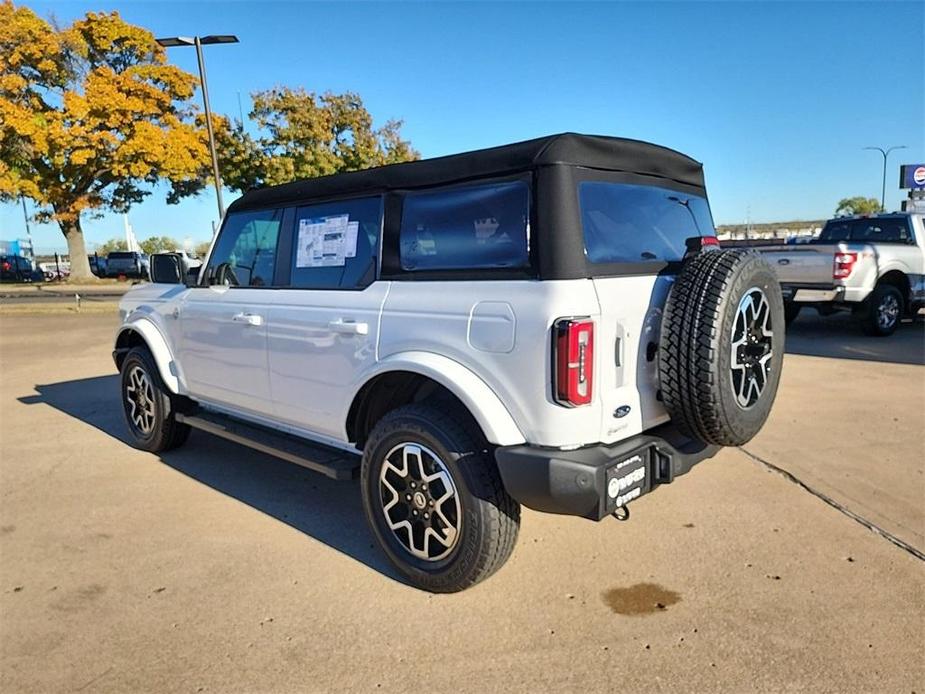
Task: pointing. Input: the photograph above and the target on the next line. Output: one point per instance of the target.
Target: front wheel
(434, 499)
(150, 409)
(883, 311)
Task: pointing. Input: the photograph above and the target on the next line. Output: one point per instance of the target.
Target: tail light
(6, 265)
(844, 264)
(709, 242)
(573, 361)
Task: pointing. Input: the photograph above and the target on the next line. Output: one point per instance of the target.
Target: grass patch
(58, 308)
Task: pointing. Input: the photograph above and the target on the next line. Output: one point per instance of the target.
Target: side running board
(331, 462)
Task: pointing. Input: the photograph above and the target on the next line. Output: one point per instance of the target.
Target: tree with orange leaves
(90, 117)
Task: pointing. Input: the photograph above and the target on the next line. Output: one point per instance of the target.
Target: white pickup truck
(873, 266)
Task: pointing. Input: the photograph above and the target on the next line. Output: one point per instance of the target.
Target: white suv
(536, 324)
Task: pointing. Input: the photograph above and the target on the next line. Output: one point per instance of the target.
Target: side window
(245, 252)
(336, 244)
(476, 226)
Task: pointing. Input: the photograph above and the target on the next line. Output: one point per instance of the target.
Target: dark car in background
(15, 268)
(127, 264)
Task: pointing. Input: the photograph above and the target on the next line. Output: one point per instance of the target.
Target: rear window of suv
(873, 230)
(472, 227)
(626, 223)
(121, 255)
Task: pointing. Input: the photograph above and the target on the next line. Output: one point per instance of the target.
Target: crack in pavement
(873, 527)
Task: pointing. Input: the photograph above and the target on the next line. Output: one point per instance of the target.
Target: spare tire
(722, 346)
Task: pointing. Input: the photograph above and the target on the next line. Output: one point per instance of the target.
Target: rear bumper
(593, 482)
(811, 293)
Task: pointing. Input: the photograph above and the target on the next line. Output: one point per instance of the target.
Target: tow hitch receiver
(627, 479)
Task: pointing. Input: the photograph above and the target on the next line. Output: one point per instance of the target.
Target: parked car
(128, 264)
(548, 323)
(873, 266)
(16, 268)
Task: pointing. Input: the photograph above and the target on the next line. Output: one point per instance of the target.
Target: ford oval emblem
(622, 411)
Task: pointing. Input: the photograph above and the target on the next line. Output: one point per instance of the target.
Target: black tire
(883, 311)
(791, 311)
(486, 518)
(151, 421)
(721, 298)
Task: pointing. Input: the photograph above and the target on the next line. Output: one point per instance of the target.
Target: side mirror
(167, 268)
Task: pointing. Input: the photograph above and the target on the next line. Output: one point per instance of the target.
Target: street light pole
(885, 153)
(198, 43)
(208, 110)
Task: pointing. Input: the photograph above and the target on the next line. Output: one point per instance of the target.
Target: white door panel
(223, 341)
(318, 342)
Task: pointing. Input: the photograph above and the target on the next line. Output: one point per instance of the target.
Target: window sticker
(350, 242)
(323, 242)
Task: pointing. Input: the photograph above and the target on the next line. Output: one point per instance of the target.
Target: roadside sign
(912, 176)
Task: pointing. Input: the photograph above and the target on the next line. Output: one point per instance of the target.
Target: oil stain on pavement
(640, 599)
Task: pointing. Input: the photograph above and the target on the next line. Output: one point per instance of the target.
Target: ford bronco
(549, 323)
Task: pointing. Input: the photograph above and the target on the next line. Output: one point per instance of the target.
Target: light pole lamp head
(171, 41)
(218, 38)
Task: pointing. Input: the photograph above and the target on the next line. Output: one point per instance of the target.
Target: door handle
(248, 318)
(348, 327)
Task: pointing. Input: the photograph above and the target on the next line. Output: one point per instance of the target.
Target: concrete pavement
(215, 568)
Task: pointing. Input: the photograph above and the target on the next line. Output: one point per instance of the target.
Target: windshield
(626, 223)
(872, 230)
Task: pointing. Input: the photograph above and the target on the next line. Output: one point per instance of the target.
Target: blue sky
(777, 99)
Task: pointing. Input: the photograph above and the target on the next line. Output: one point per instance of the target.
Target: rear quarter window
(626, 223)
(472, 227)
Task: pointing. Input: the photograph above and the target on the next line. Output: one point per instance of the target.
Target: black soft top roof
(570, 149)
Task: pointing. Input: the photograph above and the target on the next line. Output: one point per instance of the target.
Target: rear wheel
(434, 499)
(883, 311)
(150, 409)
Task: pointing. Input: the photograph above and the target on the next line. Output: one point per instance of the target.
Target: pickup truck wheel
(149, 407)
(434, 499)
(722, 346)
(884, 310)
(791, 311)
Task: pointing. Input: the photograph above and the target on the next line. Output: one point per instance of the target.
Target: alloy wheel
(887, 312)
(751, 347)
(139, 398)
(420, 501)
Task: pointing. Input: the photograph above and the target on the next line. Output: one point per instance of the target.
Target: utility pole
(25, 215)
(198, 43)
(885, 153)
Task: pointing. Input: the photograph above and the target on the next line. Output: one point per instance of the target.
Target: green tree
(303, 135)
(158, 244)
(858, 205)
(111, 245)
(91, 116)
(202, 248)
